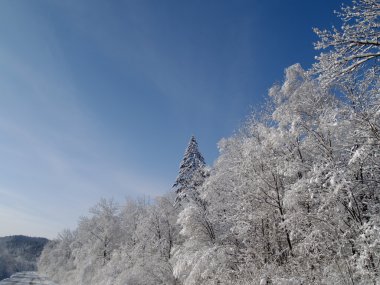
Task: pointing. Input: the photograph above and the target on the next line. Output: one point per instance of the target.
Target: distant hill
(19, 253)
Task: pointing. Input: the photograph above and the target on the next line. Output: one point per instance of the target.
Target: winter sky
(99, 98)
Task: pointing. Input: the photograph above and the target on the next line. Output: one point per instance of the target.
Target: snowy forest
(19, 253)
(293, 198)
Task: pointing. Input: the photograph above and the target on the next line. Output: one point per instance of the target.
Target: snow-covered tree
(144, 259)
(352, 64)
(102, 231)
(57, 258)
(197, 231)
(352, 48)
(192, 172)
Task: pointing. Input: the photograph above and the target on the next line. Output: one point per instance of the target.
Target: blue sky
(99, 98)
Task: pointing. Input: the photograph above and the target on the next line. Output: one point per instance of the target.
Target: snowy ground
(26, 278)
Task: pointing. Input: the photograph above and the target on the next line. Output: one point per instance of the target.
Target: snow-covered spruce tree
(192, 172)
(192, 256)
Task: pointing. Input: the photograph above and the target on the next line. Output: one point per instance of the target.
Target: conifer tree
(192, 171)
